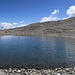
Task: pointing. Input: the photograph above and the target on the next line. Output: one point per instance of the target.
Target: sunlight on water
(6, 37)
(36, 52)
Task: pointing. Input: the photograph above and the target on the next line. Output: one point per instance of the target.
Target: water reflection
(60, 52)
(40, 52)
(70, 51)
(5, 38)
(53, 51)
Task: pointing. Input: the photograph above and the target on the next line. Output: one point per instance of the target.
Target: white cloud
(21, 25)
(6, 25)
(65, 18)
(14, 23)
(71, 11)
(55, 12)
(21, 21)
(52, 17)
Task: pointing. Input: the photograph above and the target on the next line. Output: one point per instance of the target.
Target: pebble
(58, 74)
(19, 71)
(1, 72)
(57, 71)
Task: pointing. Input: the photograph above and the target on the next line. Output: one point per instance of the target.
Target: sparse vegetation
(55, 28)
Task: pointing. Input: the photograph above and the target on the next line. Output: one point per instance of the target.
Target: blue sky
(15, 13)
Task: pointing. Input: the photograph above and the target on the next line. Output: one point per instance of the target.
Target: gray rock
(58, 74)
(1, 72)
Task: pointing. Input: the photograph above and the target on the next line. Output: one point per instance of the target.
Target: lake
(36, 52)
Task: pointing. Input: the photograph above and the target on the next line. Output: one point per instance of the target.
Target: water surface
(36, 52)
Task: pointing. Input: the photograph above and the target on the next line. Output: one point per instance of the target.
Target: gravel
(22, 71)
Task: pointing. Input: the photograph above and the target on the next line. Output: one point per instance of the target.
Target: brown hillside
(54, 28)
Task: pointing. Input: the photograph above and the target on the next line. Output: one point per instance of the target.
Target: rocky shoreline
(22, 71)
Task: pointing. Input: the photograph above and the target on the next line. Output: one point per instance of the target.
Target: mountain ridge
(64, 28)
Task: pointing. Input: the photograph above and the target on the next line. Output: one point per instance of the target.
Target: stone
(58, 74)
(67, 69)
(2, 73)
(10, 70)
(18, 71)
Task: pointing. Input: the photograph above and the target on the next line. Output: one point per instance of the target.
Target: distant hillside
(54, 28)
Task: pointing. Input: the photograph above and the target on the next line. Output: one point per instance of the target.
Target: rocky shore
(22, 71)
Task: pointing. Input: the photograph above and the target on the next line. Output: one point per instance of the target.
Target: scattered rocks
(57, 71)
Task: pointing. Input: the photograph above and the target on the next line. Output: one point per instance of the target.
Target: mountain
(52, 28)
